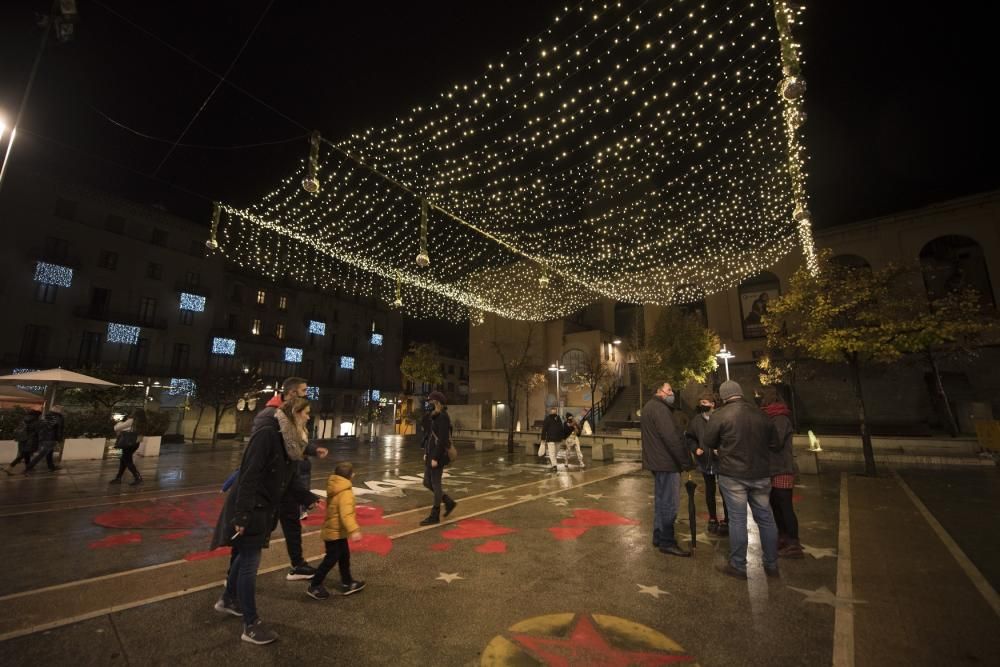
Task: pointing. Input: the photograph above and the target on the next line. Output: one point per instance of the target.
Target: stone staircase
(623, 407)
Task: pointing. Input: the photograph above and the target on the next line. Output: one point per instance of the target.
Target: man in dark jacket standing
(436, 458)
(290, 515)
(664, 455)
(553, 432)
(248, 517)
(744, 438)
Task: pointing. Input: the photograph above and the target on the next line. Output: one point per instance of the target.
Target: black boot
(449, 505)
(432, 518)
(116, 480)
(137, 481)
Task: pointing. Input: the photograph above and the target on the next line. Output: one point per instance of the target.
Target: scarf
(776, 409)
(293, 438)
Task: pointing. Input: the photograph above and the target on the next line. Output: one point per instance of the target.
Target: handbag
(127, 439)
(451, 451)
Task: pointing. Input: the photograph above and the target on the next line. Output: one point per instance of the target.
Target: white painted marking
(843, 618)
(824, 595)
(447, 578)
(655, 591)
(819, 552)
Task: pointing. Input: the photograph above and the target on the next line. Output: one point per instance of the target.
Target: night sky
(897, 117)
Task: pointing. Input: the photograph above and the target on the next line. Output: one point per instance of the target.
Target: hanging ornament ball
(543, 281)
(212, 244)
(800, 213)
(310, 184)
(423, 259)
(792, 87)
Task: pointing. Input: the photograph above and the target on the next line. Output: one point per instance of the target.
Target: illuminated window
(318, 328)
(225, 346)
(282, 302)
(293, 355)
(347, 362)
(192, 302)
(255, 328)
(279, 330)
(122, 333)
(261, 297)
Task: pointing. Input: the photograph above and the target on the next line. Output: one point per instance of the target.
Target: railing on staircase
(601, 407)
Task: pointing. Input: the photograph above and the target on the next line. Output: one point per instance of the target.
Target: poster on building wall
(753, 306)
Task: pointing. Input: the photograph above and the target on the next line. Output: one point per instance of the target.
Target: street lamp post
(725, 355)
(558, 369)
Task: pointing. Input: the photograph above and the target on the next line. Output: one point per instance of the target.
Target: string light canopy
(647, 152)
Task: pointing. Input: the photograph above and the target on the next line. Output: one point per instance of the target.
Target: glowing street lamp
(725, 355)
(558, 369)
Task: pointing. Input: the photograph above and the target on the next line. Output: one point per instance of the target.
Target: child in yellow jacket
(340, 525)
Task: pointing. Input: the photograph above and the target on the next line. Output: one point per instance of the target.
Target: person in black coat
(553, 432)
(26, 436)
(664, 455)
(50, 434)
(248, 517)
(436, 458)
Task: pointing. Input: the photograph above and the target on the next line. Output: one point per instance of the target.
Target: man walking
(50, 434)
(553, 432)
(289, 512)
(744, 437)
(664, 455)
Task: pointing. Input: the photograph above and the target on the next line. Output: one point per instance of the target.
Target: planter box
(150, 446)
(8, 450)
(82, 449)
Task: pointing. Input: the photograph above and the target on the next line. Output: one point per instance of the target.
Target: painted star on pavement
(585, 645)
(527, 497)
(819, 552)
(561, 502)
(495, 486)
(447, 578)
(655, 591)
(595, 496)
(824, 595)
(496, 497)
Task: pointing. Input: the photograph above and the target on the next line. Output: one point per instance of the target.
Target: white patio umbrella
(53, 379)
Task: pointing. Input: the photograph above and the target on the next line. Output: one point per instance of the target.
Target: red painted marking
(380, 544)
(567, 533)
(178, 514)
(442, 546)
(369, 515)
(176, 536)
(115, 540)
(584, 520)
(317, 516)
(471, 529)
(203, 555)
(492, 547)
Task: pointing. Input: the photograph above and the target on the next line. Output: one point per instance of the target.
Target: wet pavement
(532, 568)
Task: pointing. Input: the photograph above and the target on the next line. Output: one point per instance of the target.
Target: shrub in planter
(156, 422)
(9, 419)
(89, 425)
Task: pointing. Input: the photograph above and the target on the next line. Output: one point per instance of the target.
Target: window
(279, 330)
(115, 224)
(347, 362)
(255, 327)
(53, 274)
(46, 293)
(194, 302)
(65, 209)
(451, 387)
(147, 310)
(261, 297)
(317, 328)
(451, 369)
(237, 294)
(233, 322)
(138, 355)
(159, 237)
(90, 349)
(108, 260)
(293, 355)
(180, 358)
(192, 278)
(34, 345)
(154, 271)
(187, 317)
(282, 302)
(348, 401)
(55, 249)
(100, 300)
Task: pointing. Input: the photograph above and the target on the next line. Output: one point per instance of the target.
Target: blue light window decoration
(53, 274)
(376, 339)
(182, 387)
(34, 388)
(225, 346)
(122, 333)
(376, 394)
(347, 362)
(318, 328)
(312, 393)
(193, 302)
(293, 355)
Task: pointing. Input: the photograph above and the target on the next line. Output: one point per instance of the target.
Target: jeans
(432, 481)
(291, 526)
(241, 584)
(666, 500)
(337, 551)
(45, 450)
(784, 513)
(737, 493)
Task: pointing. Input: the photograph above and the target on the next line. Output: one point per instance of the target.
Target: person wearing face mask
(664, 455)
(553, 432)
(708, 462)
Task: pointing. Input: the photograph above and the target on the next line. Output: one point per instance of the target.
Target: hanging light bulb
(543, 281)
(211, 243)
(423, 258)
(311, 183)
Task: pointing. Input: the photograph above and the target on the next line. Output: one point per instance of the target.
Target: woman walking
(436, 458)
(783, 471)
(130, 433)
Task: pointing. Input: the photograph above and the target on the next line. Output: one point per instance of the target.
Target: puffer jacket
(340, 518)
(695, 433)
(744, 437)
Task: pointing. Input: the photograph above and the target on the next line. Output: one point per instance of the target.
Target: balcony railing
(131, 319)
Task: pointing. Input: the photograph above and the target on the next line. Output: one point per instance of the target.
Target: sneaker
(258, 633)
(301, 572)
(303, 516)
(352, 588)
(730, 571)
(226, 606)
(317, 592)
(772, 572)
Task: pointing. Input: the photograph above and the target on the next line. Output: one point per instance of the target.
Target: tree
(850, 315)
(102, 400)
(220, 390)
(532, 383)
(594, 374)
(517, 368)
(420, 365)
(683, 349)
